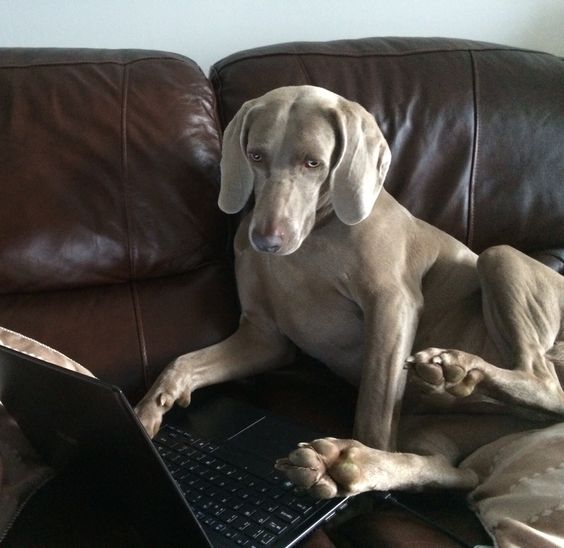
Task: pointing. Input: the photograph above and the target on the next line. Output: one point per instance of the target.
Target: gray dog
(329, 262)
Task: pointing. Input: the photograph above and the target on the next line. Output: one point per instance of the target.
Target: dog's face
(300, 149)
(290, 153)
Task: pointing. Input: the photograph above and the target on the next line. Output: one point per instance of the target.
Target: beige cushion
(520, 499)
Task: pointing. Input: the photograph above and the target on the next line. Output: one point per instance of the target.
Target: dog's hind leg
(523, 307)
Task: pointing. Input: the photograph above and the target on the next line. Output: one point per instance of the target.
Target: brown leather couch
(112, 248)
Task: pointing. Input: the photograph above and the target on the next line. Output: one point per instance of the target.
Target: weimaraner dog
(329, 262)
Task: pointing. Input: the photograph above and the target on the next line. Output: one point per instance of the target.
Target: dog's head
(302, 149)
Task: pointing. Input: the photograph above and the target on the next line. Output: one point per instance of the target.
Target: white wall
(209, 30)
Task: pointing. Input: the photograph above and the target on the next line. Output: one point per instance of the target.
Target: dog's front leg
(390, 324)
(248, 351)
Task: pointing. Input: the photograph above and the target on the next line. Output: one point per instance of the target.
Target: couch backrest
(112, 248)
(476, 130)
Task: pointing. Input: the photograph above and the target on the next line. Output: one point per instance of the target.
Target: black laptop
(207, 479)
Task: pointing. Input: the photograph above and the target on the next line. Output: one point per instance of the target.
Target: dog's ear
(361, 166)
(236, 175)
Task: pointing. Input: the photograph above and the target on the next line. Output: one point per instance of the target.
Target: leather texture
(112, 248)
(474, 128)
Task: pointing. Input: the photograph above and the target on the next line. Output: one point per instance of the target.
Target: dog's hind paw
(326, 467)
(331, 467)
(452, 371)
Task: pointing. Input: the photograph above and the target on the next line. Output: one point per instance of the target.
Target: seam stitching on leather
(128, 226)
(140, 333)
(186, 61)
(124, 170)
(303, 69)
(357, 55)
(475, 150)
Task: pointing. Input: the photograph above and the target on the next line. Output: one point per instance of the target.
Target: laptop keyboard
(227, 498)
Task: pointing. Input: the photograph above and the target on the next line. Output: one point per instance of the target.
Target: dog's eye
(255, 156)
(312, 164)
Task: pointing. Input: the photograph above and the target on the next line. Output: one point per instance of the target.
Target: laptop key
(266, 538)
(237, 504)
(211, 447)
(270, 507)
(286, 515)
(258, 501)
(229, 533)
(220, 527)
(276, 526)
(217, 510)
(301, 505)
(254, 531)
(223, 482)
(193, 497)
(260, 517)
(186, 450)
(263, 488)
(275, 477)
(229, 516)
(233, 486)
(193, 467)
(208, 520)
(245, 495)
(190, 481)
(206, 503)
(229, 470)
(247, 510)
(240, 524)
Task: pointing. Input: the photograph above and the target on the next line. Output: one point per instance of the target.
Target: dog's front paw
(170, 388)
(452, 371)
(326, 467)
(150, 414)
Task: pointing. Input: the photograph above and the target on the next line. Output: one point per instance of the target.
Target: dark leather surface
(112, 248)
(474, 129)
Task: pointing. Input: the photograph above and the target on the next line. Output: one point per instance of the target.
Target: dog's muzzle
(270, 242)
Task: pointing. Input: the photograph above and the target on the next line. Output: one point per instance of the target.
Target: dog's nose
(270, 242)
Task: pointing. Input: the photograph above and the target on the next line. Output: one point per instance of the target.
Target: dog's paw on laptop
(150, 415)
(171, 387)
(154, 405)
(326, 467)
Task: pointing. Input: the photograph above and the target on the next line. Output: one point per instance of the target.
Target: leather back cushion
(112, 248)
(102, 159)
(475, 129)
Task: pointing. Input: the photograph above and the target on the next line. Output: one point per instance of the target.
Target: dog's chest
(309, 305)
